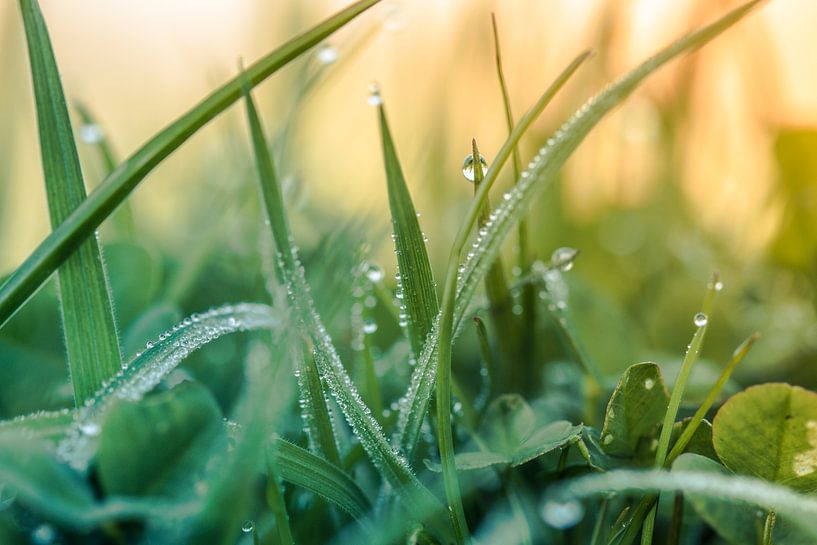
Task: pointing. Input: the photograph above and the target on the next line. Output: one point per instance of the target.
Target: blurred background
(711, 165)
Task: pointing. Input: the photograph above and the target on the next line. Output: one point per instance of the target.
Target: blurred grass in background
(713, 164)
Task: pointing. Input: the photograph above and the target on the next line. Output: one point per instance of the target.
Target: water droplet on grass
(90, 429)
(369, 326)
(374, 98)
(649, 383)
(90, 133)
(700, 319)
(327, 54)
(563, 258)
(248, 526)
(468, 166)
(374, 273)
(43, 534)
(562, 515)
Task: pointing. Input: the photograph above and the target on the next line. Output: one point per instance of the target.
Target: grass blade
(315, 412)
(800, 509)
(506, 324)
(115, 188)
(414, 404)
(89, 326)
(528, 296)
(711, 397)
(394, 469)
(302, 468)
(314, 409)
(275, 500)
(693, 350)
(543, 168)
(148, 368)
(416, 281)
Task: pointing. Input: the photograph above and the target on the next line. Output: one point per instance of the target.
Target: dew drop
(700, 319)
(327, 54)
(248, 526)
(374, 272)
(90, 429)
(562, 515)
(369, 326)
(718, 285)
(43, 534)
(649, 383)
(563, 258)
(90, 133)
(468, 166)
(374, 98)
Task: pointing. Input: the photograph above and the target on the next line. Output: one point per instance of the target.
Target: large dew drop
(562, 515)
(468, 166)
(373, 272)
(700, 319)
(563, 258)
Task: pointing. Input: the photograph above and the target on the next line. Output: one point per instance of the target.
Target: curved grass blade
(799, 509)
(302, 468)
(60, 244)
(50, 425)
(544, 167)
(414, 404)
(416, 281)
(394, 468)
(148, 368)
(91, 340)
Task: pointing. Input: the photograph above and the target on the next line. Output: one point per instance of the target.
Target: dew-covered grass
(292, 393)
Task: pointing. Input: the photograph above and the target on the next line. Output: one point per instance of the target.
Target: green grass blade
(50, 425)
(394, 469)
(414, 404)
(159, 358)
(800, 509)
(81, 223)
(505, 323)
(275, 499)
(548, 162)
(315, 412)
(447, 326)
(416, 281)
(691, 356)
(544, 167)
(89, 326)
(711, 397)
(302, 468)
(528, 295)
